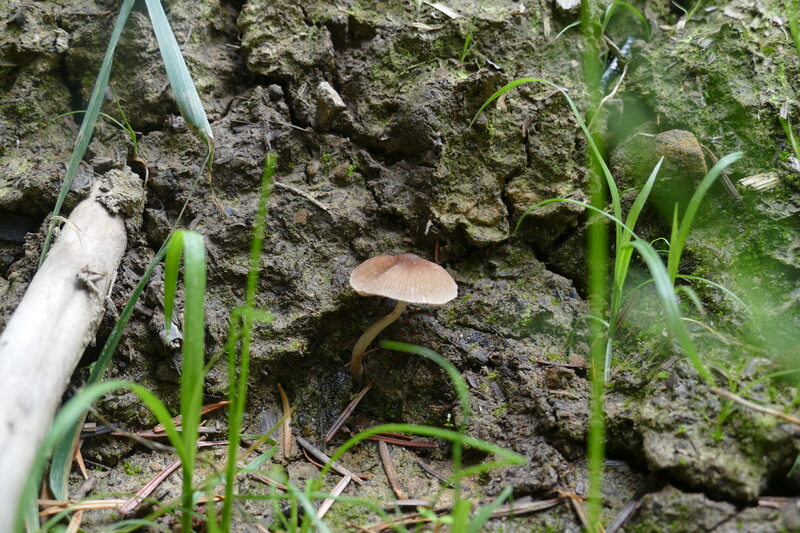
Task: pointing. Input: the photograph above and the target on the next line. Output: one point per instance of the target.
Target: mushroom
(406, 278)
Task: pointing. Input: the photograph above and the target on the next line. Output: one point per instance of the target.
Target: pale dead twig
(337, 424)
(52, 507)
(337, 490)
(316, 452)
(391, 471)
(613, 92)
(755, 407)
(302, 193)
(286, 437)
(79, 460)
(725, 179)
(75, 522)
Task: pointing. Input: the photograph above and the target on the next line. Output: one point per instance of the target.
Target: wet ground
(368, 105)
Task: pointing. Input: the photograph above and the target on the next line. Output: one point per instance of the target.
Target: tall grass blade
(505, 457)
(722, 288)
(590, 207)
(89, 121)
(189, 103)
(625, 5)
(678, 241)
(485, 513)
(190, 244)
(666, 293)
(238, 374)
(622, 263)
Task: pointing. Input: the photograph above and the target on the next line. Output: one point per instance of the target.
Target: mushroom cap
(407, 278)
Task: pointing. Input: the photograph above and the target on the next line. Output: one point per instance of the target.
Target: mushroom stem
(368, 336)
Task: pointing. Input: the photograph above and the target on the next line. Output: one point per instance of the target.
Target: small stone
(328, 104)
(275, 92)
(568, 6)
(312, 168)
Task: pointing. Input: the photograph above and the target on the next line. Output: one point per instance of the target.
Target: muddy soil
(368, 106)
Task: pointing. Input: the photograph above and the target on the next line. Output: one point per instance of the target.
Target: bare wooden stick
(47, 334)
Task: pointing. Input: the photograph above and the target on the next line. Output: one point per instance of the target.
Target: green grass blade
(720, 287)
(666, 293)
(566, 28)
(463, 397)
(89, 121)
(62, 456)
(612, 186)
(641, 199)
(505, 457)
(190, 244)
(625, 5)
(452, 372)
(485, 513)
(238, 374)
(74, 410)
(609, 216)
(678, 241)
(189, 103)
(622, 262)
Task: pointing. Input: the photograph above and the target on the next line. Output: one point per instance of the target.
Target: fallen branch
(47, 334)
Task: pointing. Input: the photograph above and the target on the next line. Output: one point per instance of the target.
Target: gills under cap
(406, 278)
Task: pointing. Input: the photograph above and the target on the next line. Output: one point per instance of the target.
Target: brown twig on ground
(268, 481)
(337, 490)
(391, 471)
(159, 478)
(725, 179)
(202, 430)
(402, 440)
(631, 507)
(203, 411)
(149, 487)
(316, 452)
(755, 407)
(436, 475)
(556, 363)
(79, 460)
(773, 502)
(312, 461)
(512, 509)
(75, 522)
(337, 424)
(286, 437)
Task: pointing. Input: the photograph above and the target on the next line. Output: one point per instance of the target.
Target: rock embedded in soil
(677, 419)
(681, 512)
(684, 166)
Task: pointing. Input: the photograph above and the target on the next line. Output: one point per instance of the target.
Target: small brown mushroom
(406, 278)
